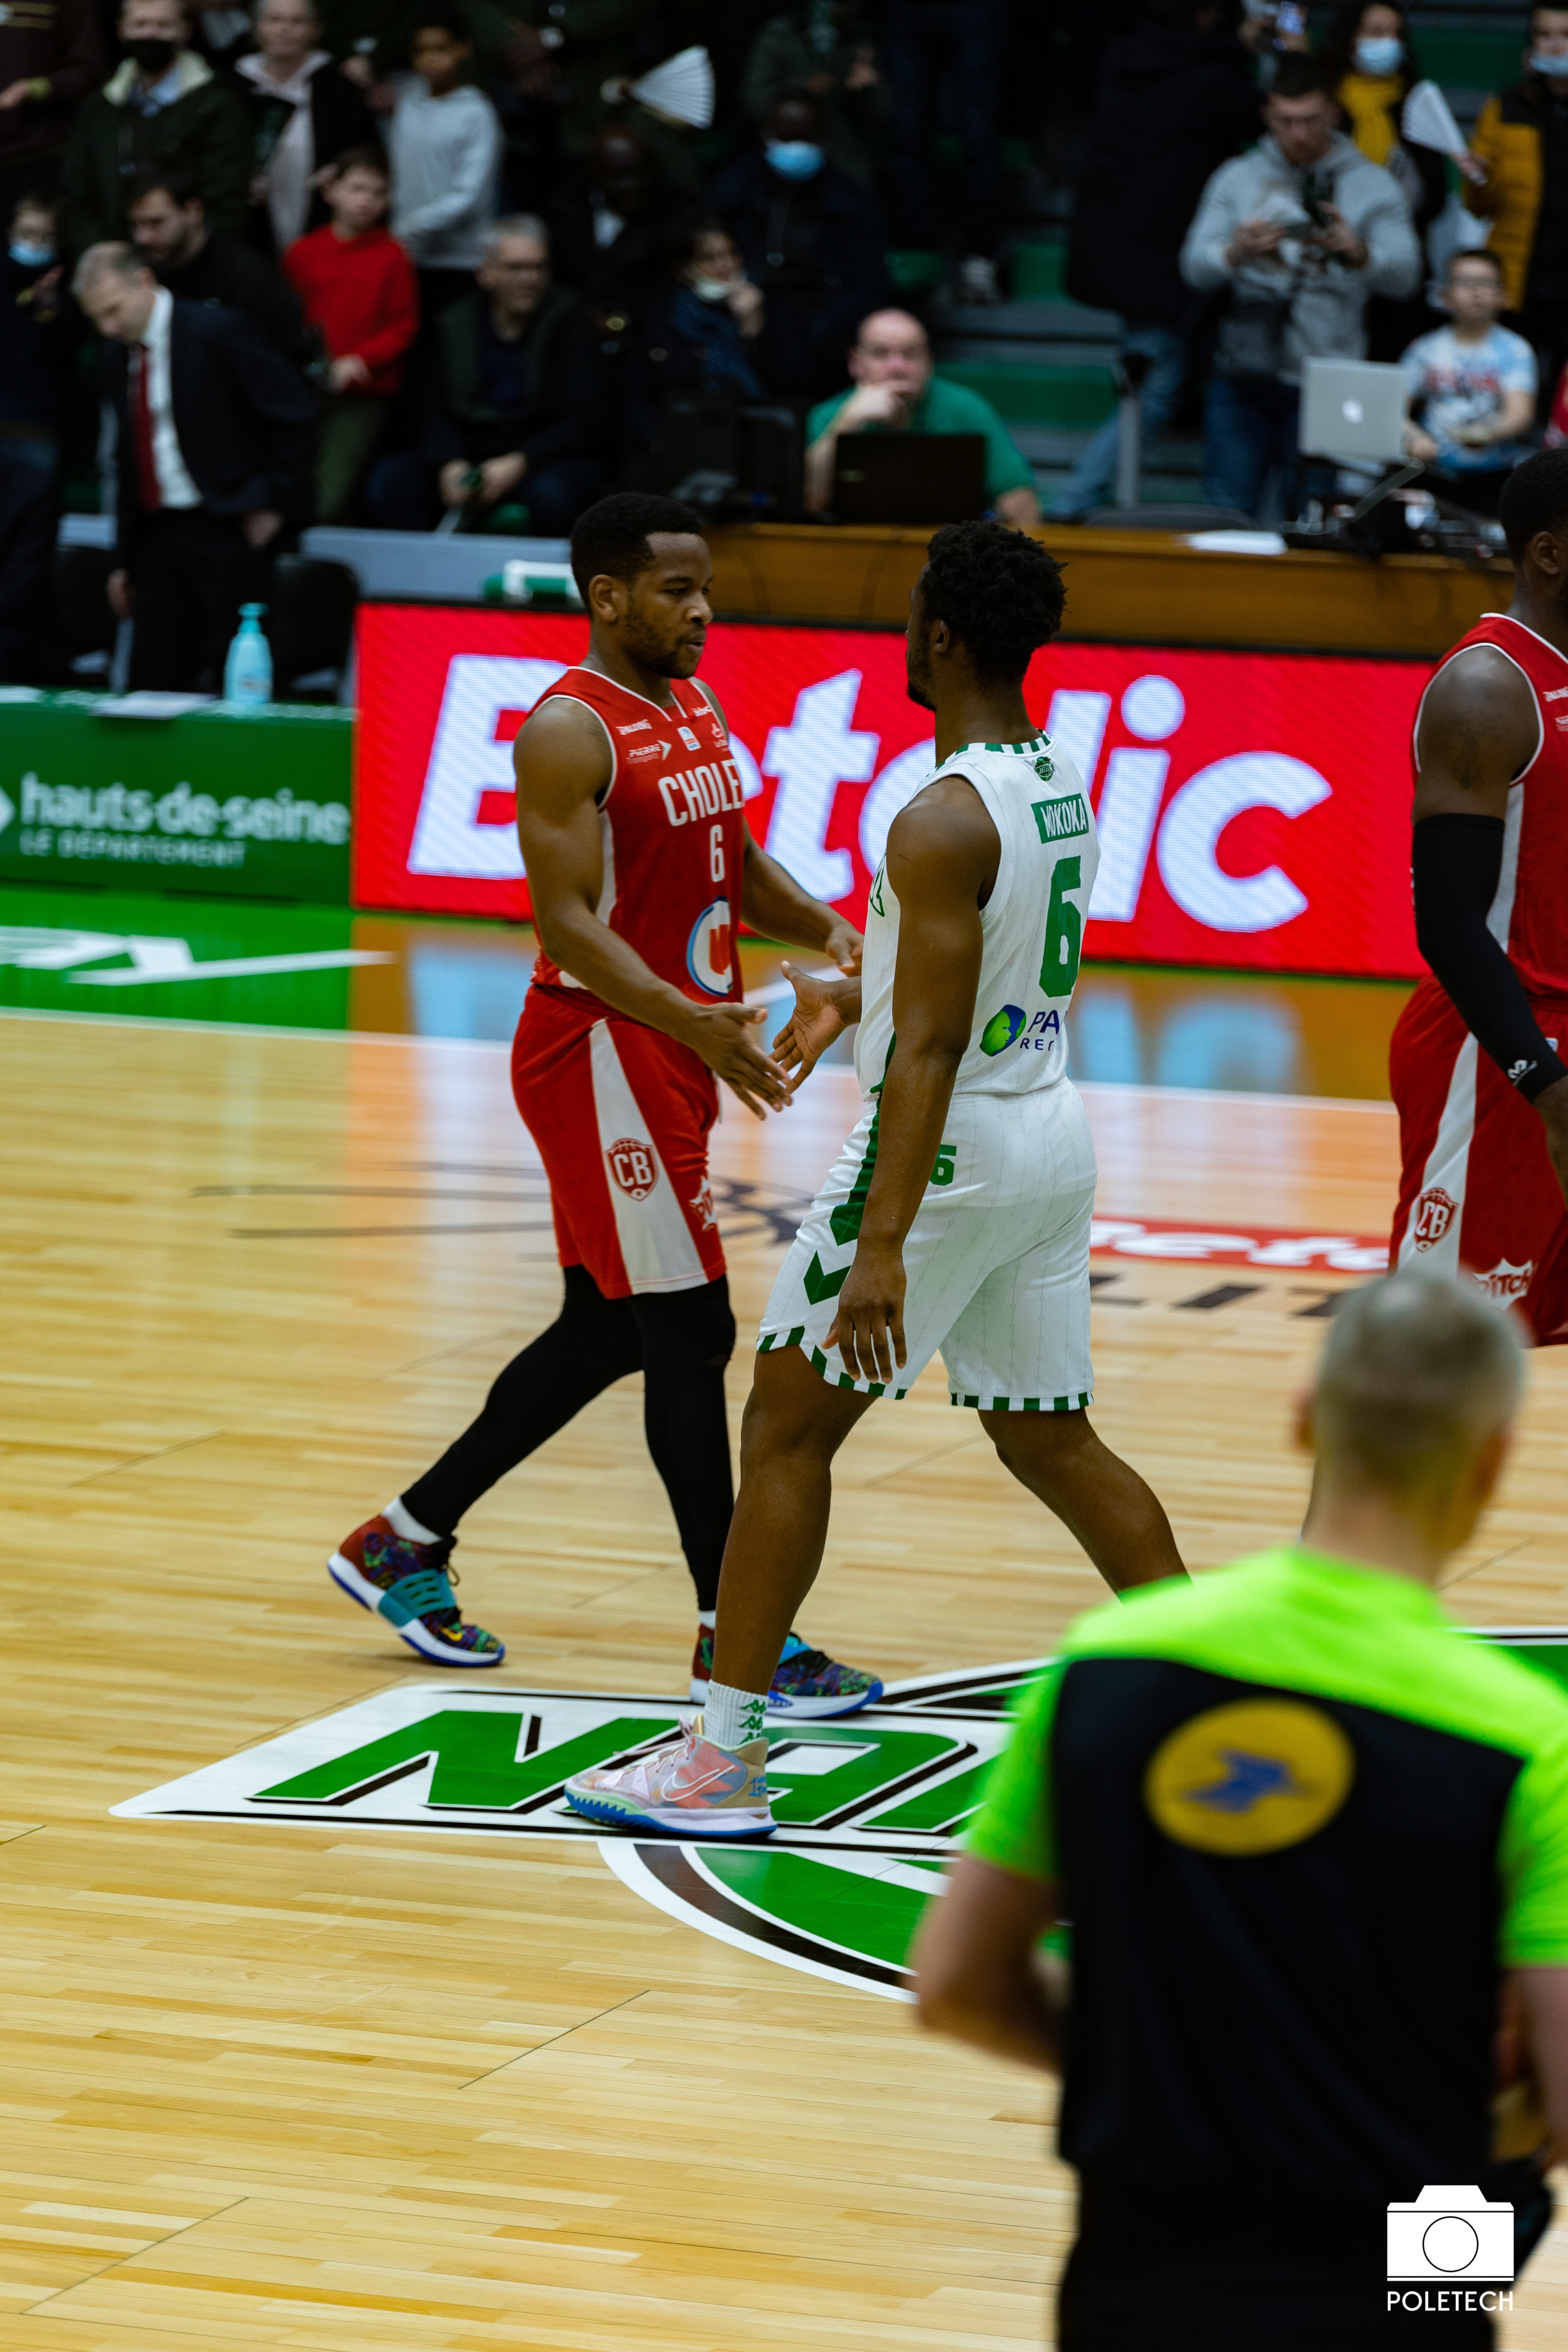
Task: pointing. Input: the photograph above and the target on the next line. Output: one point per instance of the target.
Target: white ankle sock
(730, 1717)
(403, 1523)
(708, 1618)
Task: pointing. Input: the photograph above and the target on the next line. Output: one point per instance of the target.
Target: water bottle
(247, 672)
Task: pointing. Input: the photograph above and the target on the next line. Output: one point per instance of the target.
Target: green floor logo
(867, 1807)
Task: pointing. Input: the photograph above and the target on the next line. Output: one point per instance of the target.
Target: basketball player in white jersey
(958, 1214)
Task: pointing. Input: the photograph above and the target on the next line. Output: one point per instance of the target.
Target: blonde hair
(1419, 1369)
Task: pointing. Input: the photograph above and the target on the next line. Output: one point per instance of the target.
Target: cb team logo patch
(1250, 1778)
(1435, 1212)
(633, 1165)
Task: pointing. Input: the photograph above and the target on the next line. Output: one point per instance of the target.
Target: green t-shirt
(1298, 1621)
(1299, 1823)
(945, 407)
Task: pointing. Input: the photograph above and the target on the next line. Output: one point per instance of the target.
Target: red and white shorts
(1477, 1192)
(621, 1114)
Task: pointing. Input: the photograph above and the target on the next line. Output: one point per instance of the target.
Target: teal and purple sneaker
(410, 1585)
(807, 1683)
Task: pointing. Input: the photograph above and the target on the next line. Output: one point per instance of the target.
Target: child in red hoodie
(358, 286)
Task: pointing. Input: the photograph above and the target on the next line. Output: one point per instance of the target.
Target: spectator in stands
(825, 46)
(812, 239)
(512, 410)
(1472, 389)
(305, 113)
(360, 294)
(216, 439)
(895, 391)
(35, 341)
(696, 329)
(1300, 231)
(571, 48)
(446, 148)
(168, 226)
(1368, 50)
(1177, 98)
(959, 42)
(164, 105)
(1521, 140)
(609, 223)
(49, 59)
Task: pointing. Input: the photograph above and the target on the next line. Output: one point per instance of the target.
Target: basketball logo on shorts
(1435, 1212)
(1250, 1778)
(707, 949)
(633, 1166)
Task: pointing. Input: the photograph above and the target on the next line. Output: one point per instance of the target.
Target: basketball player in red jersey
(1474, 1068)
(640, 865)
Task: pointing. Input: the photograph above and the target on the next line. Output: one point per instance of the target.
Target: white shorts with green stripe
(996, 1260)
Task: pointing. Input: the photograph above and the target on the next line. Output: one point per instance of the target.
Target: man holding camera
(1302, 230)
(1314, 1843)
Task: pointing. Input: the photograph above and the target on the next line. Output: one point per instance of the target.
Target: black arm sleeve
(1456, 863)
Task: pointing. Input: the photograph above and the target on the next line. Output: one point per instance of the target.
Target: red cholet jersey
(1528, 916)
(673, 833)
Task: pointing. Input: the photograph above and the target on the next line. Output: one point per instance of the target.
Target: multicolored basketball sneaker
(807, 1683)
(410, 1585)
(693, 1789)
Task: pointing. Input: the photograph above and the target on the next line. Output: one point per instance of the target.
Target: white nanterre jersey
(1032, 923)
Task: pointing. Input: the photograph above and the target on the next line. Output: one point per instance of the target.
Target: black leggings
(680, 1343)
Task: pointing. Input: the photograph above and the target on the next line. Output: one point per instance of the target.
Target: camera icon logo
(1454, 2234)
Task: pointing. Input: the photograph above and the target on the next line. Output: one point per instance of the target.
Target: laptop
(910, 478)
(1353, 411)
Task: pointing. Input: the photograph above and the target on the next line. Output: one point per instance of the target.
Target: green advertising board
(229, 802)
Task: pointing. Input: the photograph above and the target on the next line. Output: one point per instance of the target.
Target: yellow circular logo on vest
(1250, 1778)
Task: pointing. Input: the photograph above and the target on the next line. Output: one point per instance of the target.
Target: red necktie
(147, 489)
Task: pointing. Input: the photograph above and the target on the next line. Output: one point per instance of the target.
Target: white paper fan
(1427, 120)
(681, 89)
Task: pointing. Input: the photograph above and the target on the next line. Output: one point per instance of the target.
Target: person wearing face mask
(812, 242)
(1368, 51)
(697, 328)
(1522, 140)
(162, 105)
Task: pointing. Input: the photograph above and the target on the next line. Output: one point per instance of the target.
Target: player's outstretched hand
(868, 1328)
(721, 1035)
(818, 1017)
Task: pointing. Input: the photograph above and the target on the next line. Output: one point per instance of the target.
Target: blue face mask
(31, 256)
(1381, 54)
(1556, 67)
(802, 159)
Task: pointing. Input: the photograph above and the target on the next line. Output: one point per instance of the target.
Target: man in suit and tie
(218, 436)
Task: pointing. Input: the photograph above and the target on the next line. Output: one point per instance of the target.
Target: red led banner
(1253, 809)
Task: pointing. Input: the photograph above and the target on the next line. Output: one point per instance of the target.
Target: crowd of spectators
(455, 264)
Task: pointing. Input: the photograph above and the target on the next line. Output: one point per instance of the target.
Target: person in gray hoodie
(1302, 230)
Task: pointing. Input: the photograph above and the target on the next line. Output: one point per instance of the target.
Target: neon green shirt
(1298, 1621)
(945, 407)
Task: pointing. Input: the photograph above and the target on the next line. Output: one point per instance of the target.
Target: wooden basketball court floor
(336, 2088)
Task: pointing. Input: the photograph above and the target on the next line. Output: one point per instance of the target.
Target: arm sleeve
(1456, 863)
(1007, 468)
(1534, 1862)
(1487, 143)
(1013, 1827)
(1204, 248)
(400, 323)
(1394, 255)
